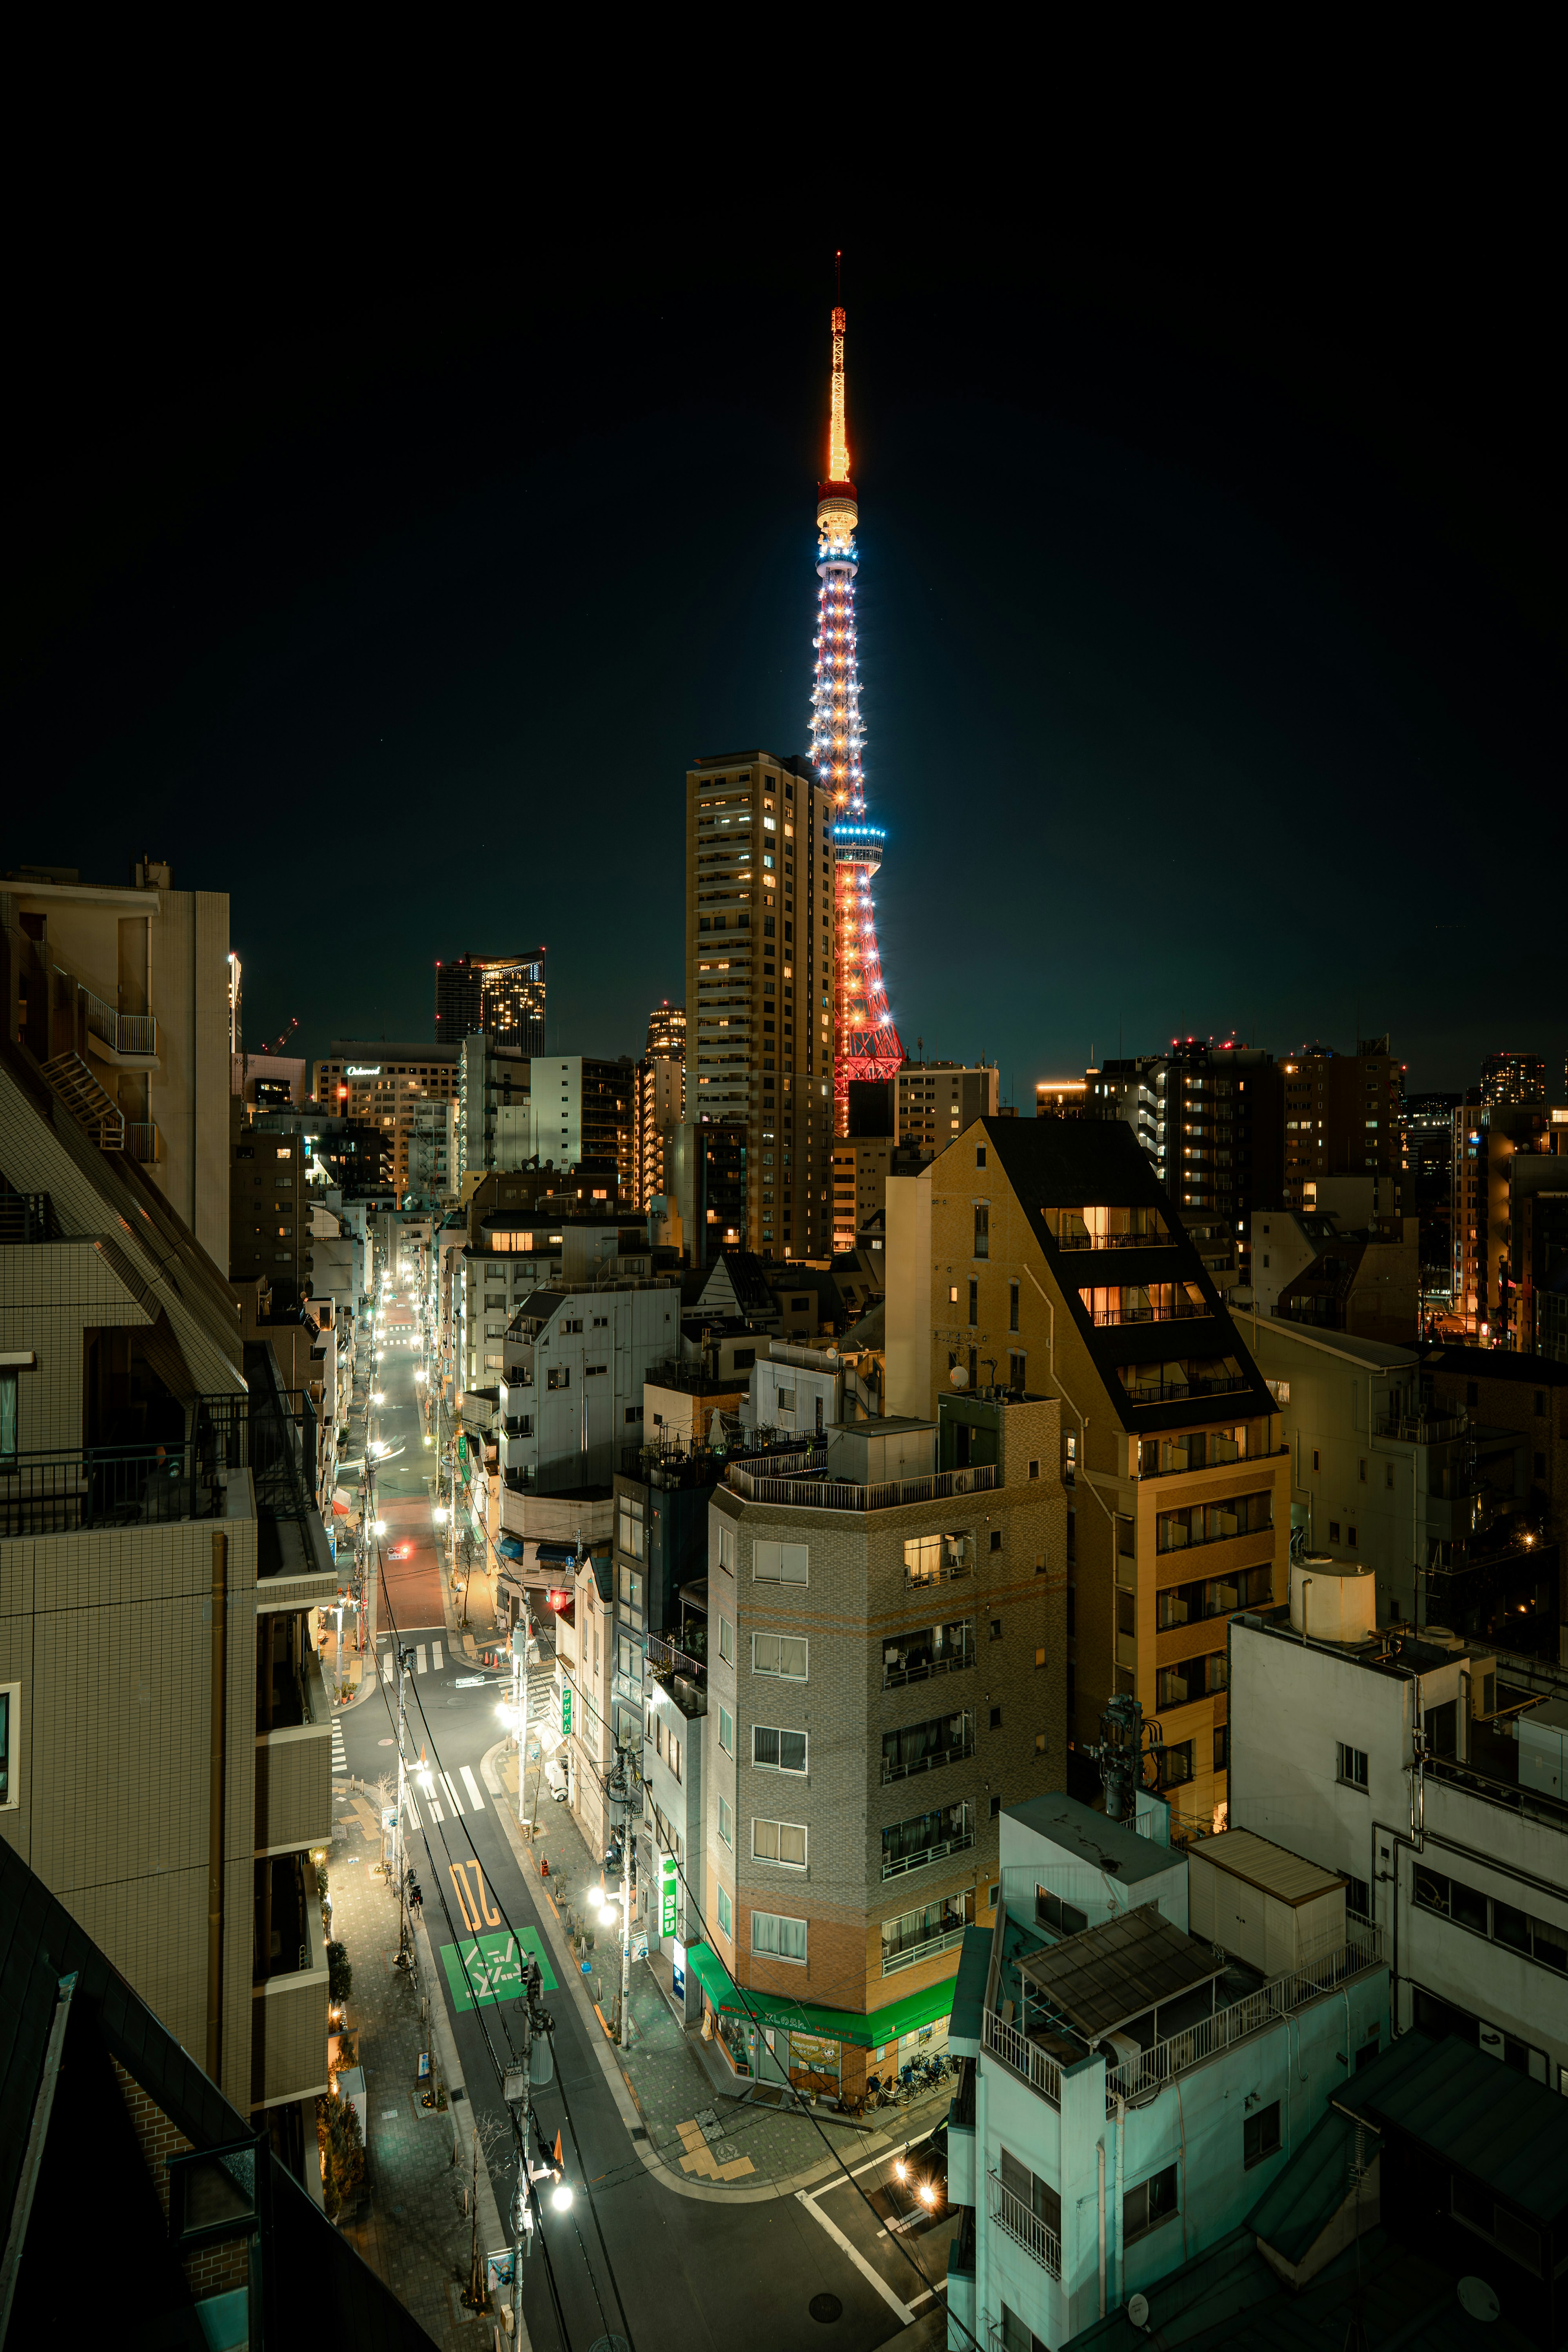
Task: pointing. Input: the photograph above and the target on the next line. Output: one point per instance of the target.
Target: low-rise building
(574, 1360)
(1148, 2039)
(1430, 1773)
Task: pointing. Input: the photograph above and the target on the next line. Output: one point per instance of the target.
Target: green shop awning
(873, 2033)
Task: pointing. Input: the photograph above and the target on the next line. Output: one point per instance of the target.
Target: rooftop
(1494, 2123)
(1104, 1976)
(1274, 1869)
(1103, 1844)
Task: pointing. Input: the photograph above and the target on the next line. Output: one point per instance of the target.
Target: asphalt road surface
(669, 2273)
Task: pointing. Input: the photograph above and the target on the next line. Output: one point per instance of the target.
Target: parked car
(922, 2170)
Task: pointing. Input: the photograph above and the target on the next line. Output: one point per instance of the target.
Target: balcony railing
(123, 1032)
(1424, 1429)
(838, 1494)
(143, 1141)
(948, 1573)
(928, 1763)
(1024, 2227)
(1157, 2065)
(60, 1492)
(1020, 2054)
(1106, 1316)
(920, 1670)
(901, 1864)
(912, 1953)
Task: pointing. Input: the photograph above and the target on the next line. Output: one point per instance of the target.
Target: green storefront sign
(667, 1897)
(489, 1968)
(565, 1707)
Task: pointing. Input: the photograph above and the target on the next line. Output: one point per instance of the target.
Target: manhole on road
(387, 1743)
(825, 2308)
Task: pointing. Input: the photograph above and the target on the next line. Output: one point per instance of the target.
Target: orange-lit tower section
(865, 1042)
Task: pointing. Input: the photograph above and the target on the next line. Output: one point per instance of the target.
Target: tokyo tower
(865, 1042)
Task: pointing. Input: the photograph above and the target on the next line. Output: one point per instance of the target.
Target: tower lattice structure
(865, 1042)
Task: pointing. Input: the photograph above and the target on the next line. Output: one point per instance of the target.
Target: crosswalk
(340, 1753)
(437, 1794)
(429, 1658)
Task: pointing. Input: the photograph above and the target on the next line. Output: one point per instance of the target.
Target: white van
(556, 1780)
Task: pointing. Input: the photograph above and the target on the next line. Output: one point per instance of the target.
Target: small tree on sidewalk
(342, 2144)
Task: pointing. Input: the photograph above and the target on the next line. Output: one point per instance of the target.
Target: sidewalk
(689, 2121)
(410, 2226)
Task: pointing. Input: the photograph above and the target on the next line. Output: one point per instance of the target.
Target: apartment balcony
(64, 1492)
(836, 1495)
(1280, 1997)
(143, 1141)
(294, 1773)
(125, 1041)
(1024, 2226)
(27, 1217)
(290, 2004)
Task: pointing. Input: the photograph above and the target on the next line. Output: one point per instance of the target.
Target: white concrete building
(1431, 1775)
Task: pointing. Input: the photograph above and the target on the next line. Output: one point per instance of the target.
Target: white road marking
(472, 1787)
(842, 2179)
(419, 1659)
(447, 1784)
(412, 1809)
(435, 1657)
(436, 1812)
(904, 2314)
(386, 1667)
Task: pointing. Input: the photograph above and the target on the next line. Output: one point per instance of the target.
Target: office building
(1043, 1254)
(573, 1357)
(123, 993)
(1063, 1098)
(934, 1101)
(269, 1212)
(659, 1101)
(848, 1827)
(267, 1081)
(503, 995)
(585, 1108)
(1344, 1115)
(759, 964)
(708, 1176)
(1427, 1772)
(161, 1555)
(1508, 1078)
(861, 1166)
(381, 1085)
(1148, 2039)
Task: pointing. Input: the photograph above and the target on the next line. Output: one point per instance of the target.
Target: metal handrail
(1023, 2057)
(903, 1863)
(1024, 2227)
(1255, 2012)
(907, 1956)
(927, 1763)
(839, 1494)
(898, 1677)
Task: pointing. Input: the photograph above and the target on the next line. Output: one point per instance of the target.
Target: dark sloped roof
(1497, 1363)
(1103, 1844)
(1494, 2123)
(1307, 2192)
(1055, 1163)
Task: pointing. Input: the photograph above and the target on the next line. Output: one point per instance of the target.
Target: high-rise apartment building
(934, 1101)
(861, 1166)
(760, 979)
(1210, 1121)
(659, 1103)
(1508, 1077)
(583, 1108)
(504, 994)
(381, 1085)
(123, 993)
(707, 1172)
(1344, 1115)
(667, 1033)
(433, 1151)
(1043, 1257)
(1427, 1169)
(1502, 1154)
(494, 1113)
(165, 1728)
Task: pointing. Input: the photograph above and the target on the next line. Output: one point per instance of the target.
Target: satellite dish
(1477, 2301)
(1138, 2310)
(959, 1377)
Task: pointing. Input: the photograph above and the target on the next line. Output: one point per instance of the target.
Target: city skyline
(1215, 607)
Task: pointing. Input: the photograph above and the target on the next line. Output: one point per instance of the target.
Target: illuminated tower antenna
(865, 1042)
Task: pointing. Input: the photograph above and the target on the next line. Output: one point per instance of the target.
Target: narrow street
(633, 2256)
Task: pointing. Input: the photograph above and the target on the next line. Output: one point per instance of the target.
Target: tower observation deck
(865, 1042)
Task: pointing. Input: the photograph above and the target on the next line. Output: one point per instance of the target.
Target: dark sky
(1211, 604)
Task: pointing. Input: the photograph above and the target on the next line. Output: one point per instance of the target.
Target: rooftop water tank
(1332, 1600)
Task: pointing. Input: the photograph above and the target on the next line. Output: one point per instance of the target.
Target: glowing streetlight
(561, 2196)
(381, 1527)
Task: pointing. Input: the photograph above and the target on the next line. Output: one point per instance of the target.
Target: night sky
(1211, 611)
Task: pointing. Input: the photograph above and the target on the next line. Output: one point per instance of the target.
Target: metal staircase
(89, 1102)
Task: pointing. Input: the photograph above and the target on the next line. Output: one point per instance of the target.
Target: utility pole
(517, 2082)
(527, 1623)
(404, 1660)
